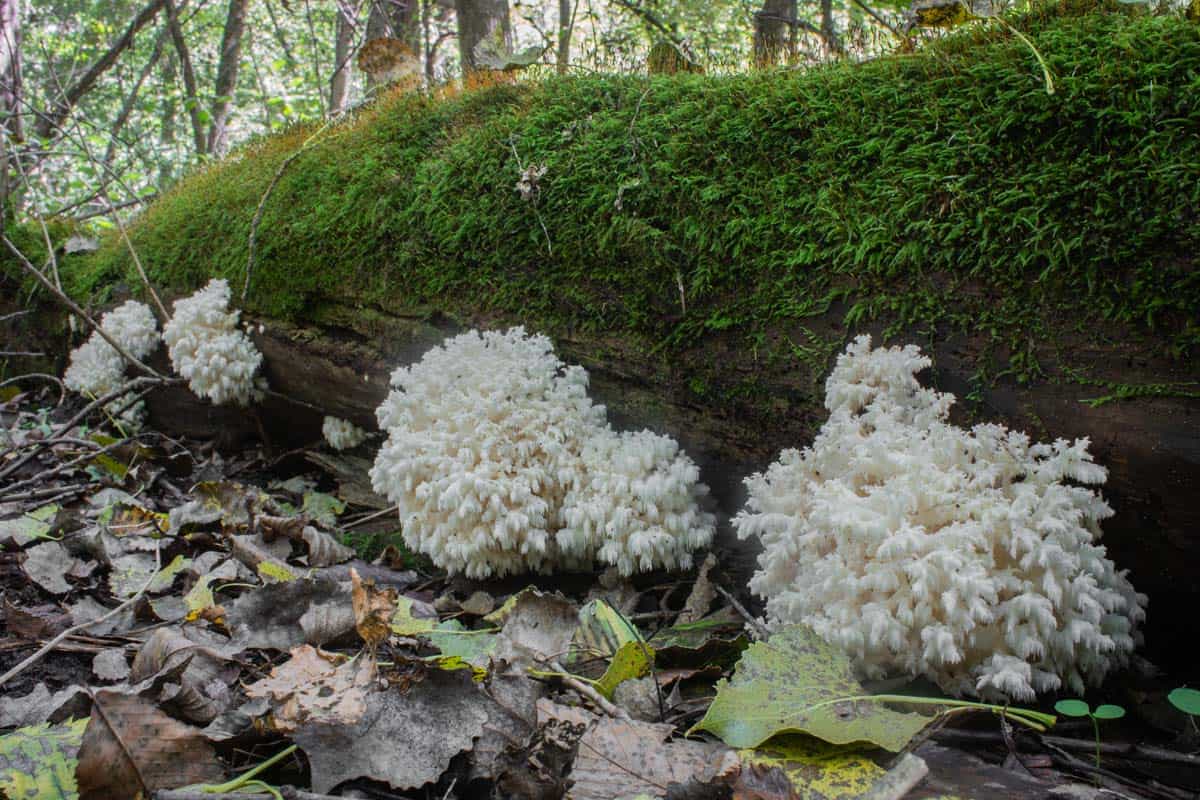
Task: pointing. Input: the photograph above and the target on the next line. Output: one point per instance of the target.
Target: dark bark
(343, 45)
(398, 19)
(10, 94)
(566, 20)
(773, 37)
(191, 100)
(227, 75)
(60, 108)
(829, 27)
(478, 20)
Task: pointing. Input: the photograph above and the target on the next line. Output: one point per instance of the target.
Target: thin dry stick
(71, 304)
(134, 385)
(46, 648)
(758, 627)
(371, 517)
(13, 490)
(137, 262)
(591, 694)
(62, 388)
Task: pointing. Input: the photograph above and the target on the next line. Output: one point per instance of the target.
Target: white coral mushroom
(96, 368)
(342, 434)
(498, 461)
(207, 349)
(969, 557)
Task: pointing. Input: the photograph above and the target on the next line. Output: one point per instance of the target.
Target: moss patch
(944, 188)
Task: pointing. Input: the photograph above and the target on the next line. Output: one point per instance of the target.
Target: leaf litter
(205, 620)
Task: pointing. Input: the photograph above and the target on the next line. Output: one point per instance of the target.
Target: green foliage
(798, 683)
(1186, 700)
(1078, 708)
(943, 189)
(38, 762)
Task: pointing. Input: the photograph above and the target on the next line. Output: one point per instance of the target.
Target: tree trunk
(477, 20)
(10, 93)
(398, 19)
(566, 20)
(191, 101)
(61, 108)
(343, 45)
(773, 35)
(227, 75)
(828, 28)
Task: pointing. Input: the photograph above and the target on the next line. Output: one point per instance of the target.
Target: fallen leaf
(200, 668)
(46, 564)
(700, 599)
(456, 641)
(27, 527)
(283, 615)
(537, 627)
(130, 573)
(804, 768)
(87, 609)
(436, 719)
(166, 576)
(795, 682)
(633, 660)
(35, 622)
(313, 686)
(512, 718)
(132, 747)
(41, 706)
(38, 762)
(405, 622)
(478, 604)
(618, 758)
(111, 665)
(373, 610)
(323, 508)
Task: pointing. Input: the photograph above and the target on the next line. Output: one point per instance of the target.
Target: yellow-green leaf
(632, 660)
(275, 572)
(405, 624)
(38, 762)
(798, 683)
(815, 770)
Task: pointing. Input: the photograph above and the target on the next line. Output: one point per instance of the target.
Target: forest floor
(174, 616)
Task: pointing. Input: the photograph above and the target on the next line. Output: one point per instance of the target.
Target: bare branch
(54, 116)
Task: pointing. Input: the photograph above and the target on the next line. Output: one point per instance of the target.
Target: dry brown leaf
(311, 687)
(35, 622)
(373, 609)
(201, 690)
(617, 758)
(404, 739)
(537, 627)
(130, 747)
(281, 616)
(701, 598)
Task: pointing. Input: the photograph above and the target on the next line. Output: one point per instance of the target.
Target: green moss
(943, 188)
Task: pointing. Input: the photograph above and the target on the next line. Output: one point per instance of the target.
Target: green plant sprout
(1078, 708)
(1187, 701)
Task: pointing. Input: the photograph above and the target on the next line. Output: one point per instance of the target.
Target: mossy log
(705, 245)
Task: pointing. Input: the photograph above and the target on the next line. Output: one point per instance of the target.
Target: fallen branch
(74, 307)
(1135, 752)
(53, 643)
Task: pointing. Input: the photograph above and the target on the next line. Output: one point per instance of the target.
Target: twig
(8, 492)
(588, 692)
(1130, 751)
(134, 385)
(71, 304)
(758, 627)
(370, 517)
(62, 388)
(46, 648)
